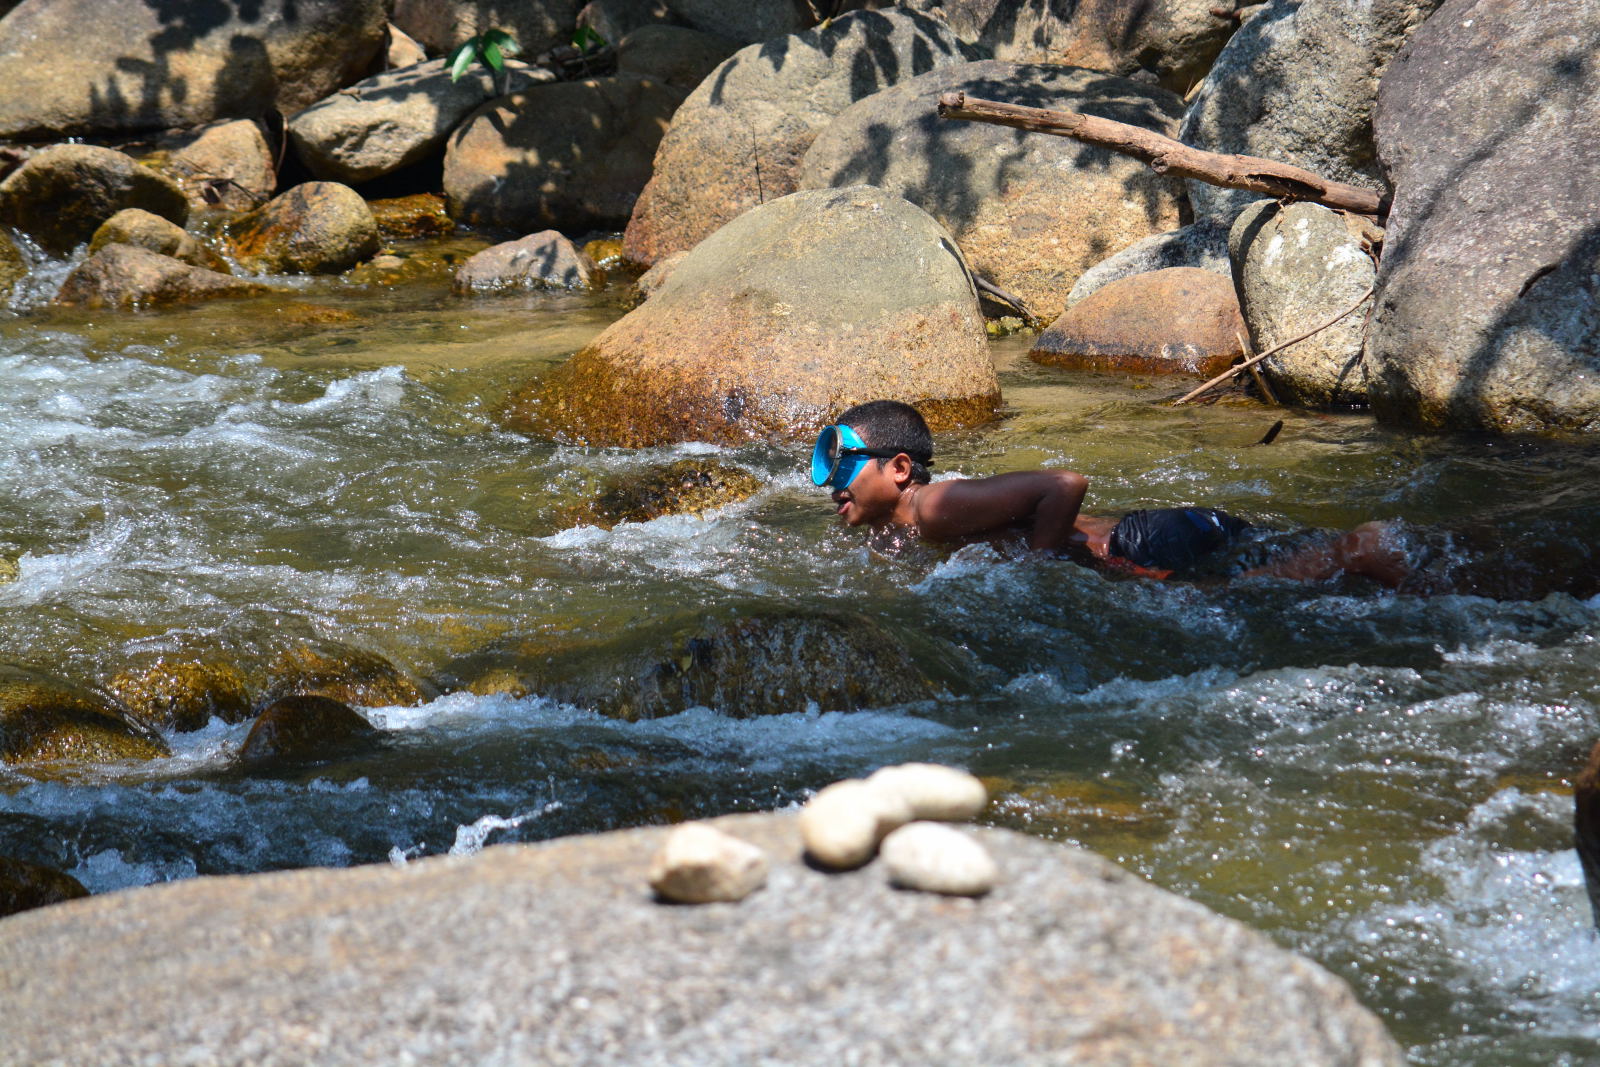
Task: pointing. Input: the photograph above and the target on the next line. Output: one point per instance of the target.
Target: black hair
(892, 424)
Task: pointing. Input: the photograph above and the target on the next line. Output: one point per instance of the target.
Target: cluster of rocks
(900, 811)
(697, 124)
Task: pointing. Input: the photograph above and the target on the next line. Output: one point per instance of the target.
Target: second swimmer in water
(876, 459)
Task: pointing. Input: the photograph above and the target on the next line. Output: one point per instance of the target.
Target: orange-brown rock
(183, 688)
(24, 886)
(1181, 320)
(340, 672)
(305, 728)
(60, 196)
(774, 324)
(314, 228)
(47, 720)
(122, 276)
(405, 217)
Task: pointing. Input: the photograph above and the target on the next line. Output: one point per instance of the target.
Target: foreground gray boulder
(122, 66)
(1297, 84)
(776, 322)
(1488, 310)
(739, 138)
(1296, 267)
(1030, 212)
(396, 118)
(545, 260)
(1068, 960)
(60, 196)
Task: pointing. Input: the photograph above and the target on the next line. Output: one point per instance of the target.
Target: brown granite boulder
(182, 687)
(47, 720)
(343, 673)
(24, 886)
(123, 276)
(1029, 212)
(227, 166)
(673, 55)
(314, 228)
(139, 228)
(775, 323)
(739, 138)
(305, 728)
(1175, 321)
(545, 260)
(569, 155)
(120, 66)
(61, 195)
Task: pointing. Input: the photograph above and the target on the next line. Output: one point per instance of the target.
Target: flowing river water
(1379, 781)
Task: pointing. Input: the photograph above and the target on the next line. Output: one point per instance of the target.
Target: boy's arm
(1047, 502)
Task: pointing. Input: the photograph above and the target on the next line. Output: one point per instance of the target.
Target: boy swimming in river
(876, 459)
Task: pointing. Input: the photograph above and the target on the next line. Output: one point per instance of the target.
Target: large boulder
(125, 276)
(1488, 307)
(674, 55)
(45, 719)
(1029, 212)
(120, 66)
(1296, 267)
(1180, 320)
(774, 324)
(1297, 84)
(1176, 40)
(1070, 959)
(60, 196)
(1202, 245)
(314, 228)
(739, 138)
(394, 119)
(226, 165)
(545, 260)
(440, 25)
(571, 155)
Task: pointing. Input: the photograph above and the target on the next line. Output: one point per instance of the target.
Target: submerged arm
(1045, 502)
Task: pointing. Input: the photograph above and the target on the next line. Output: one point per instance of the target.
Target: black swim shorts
(1173, 539)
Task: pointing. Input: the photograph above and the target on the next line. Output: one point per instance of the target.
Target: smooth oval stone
(699, 864)
(931, 791)
(936, 858)
(842, 825)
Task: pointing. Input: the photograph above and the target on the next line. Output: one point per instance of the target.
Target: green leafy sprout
(489, 48)
(586, 37)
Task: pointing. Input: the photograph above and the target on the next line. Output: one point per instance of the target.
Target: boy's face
(872, 495)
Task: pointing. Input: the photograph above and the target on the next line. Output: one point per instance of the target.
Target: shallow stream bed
(1379, 781)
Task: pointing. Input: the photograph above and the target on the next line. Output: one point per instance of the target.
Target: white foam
(470, 838)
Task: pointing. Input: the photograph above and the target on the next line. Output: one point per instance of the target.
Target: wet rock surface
(123, 276)
(545, 260)
(510, 166)
(183, 688)
(1030, 213)
(687, 487)
(779, 320)
(340, 672)
(1297, 267)
(47, 720)
(397, 118)
(1069, 959)
(739, 138)
(137, 227)
(61, 195)
(1175, 321)
(405, 218)
(314, 228)
(1488, 305)
(25, 886)
(304, 728)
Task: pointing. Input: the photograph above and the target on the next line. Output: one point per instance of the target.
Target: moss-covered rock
(404, 218)
(343, 673)
(314, 228)
(45, 719)
(687, 487)
(24, 886)
(183, 688)
(305, 728)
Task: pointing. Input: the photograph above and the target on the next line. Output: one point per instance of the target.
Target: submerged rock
(510, 166)
(1297, 267)
(1488, 307)
(46, 720)
(739, 138)
(686, 487)
(1586, 828)
(61, 195)
(343, 673)
(1069, 960)
(314, 228)
(1175, 321)
(122, 276)
(397, 118)
(305, 728)
(139, 228)
(405, 218)
(183, 688)
(25, 886)
(772, 325)
(545, 260)
(1030, 213)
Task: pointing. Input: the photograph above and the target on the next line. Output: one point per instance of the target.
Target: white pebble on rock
(842, 825)
(937, 858)
(946, 794)
(699, 864)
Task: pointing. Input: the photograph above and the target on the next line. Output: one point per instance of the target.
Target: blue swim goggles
(840, 454)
